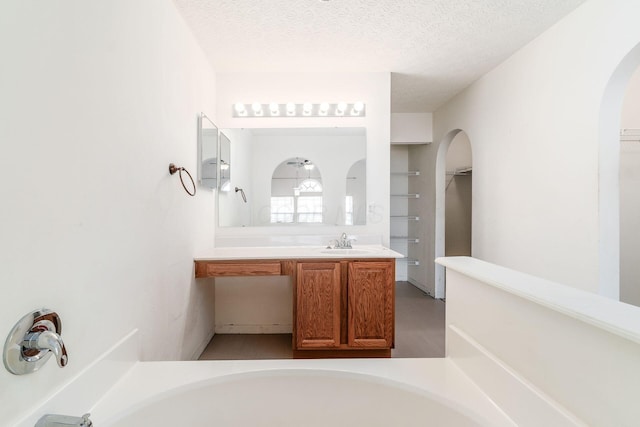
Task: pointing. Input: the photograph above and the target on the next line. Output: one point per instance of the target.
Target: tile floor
(419, 332)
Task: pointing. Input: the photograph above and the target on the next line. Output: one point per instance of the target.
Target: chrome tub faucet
(53, 420)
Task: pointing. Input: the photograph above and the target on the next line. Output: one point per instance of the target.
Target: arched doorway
(453, 201)
(609, 174)
(630, 193)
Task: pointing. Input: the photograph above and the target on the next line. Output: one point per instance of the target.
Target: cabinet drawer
(227, 269)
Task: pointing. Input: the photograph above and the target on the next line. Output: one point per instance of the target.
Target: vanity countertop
(296, 252)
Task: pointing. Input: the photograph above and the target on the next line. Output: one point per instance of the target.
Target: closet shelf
(408, 173)
(630, 135)
(405, 217)
(407, 196)
(409, 261)
(406, 238)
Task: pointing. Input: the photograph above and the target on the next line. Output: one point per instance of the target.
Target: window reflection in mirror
(208, 152)
(258, 156)
(355, 202)
(296, 192)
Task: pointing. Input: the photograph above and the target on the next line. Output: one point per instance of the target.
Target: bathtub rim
(447, 402)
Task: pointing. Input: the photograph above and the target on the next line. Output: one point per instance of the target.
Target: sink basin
(343, 252)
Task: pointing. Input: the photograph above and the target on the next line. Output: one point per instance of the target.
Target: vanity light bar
(324, 109)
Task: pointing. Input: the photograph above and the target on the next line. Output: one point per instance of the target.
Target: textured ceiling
(434, 48)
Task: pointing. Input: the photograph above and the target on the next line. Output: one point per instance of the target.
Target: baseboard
(424, 288)
(254, 329)
(200, 349)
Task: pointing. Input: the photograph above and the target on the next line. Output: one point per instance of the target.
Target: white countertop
(296, 252)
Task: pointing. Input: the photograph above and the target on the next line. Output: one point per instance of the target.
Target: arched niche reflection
(296, 192)
(356, 194)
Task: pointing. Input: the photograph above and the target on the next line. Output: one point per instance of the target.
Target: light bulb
(341, 108)
(357, 108)
(257, 109)
(291, 109)
(324, 109)
(306, 109)
(239, 107)
(274, 109)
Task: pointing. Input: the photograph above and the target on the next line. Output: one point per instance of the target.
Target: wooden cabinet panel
(318, 305)
(371, 304)
(234, 268)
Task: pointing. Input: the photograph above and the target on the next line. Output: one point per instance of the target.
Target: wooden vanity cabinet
(341, 307)
(318, 305)
(344, 306)
(370, 304)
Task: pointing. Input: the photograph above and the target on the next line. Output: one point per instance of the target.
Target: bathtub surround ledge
(82, 392)
(534, 346)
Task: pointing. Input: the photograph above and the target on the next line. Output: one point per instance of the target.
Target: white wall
(545, 192)
(97, 99)
(371, 88)
(630, 197)
(411, 128)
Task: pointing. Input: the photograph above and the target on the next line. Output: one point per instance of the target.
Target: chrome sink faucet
(52, 420)
(343, 243)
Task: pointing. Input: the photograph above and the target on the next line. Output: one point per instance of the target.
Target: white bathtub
(297, 393)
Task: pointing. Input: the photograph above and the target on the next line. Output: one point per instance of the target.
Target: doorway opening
(453, 201)
(615, 201)
(630, 193)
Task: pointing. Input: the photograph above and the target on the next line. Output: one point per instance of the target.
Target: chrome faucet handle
(53, 420)
(349, 241)
(32, 341)
(46, 340)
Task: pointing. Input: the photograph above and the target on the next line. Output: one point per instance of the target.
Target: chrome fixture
(52, 420)
(307, 109)
(343, 243)
(244, 197)
(32, 341)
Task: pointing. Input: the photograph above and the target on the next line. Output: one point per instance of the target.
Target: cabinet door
(318, 305)
(371, 304)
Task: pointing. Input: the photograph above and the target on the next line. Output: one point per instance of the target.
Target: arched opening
(630, 193)
(609, 175)
(296, 192)
(453, 219)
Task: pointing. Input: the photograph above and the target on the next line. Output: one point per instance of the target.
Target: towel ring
(173, 169)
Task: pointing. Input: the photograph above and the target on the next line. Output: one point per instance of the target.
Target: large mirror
(295, 176)
(207, 152)
(225, 162)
